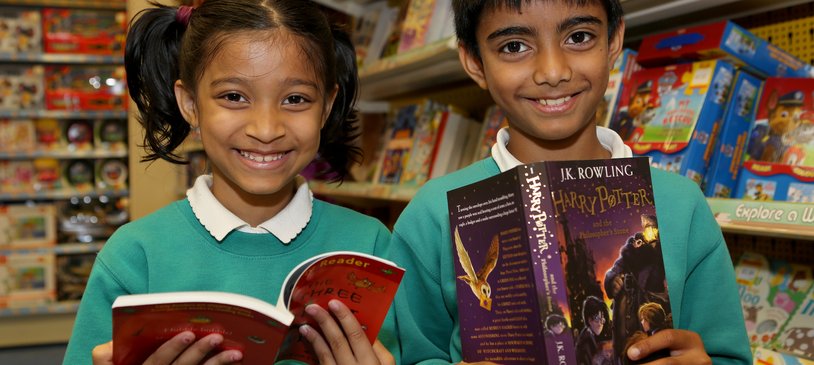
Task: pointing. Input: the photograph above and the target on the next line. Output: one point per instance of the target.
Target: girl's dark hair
(468, 14)
(162, 47)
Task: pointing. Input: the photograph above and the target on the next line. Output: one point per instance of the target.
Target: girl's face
(547, 65)
(260, 109)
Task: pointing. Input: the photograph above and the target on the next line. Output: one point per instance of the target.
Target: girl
(269, 85)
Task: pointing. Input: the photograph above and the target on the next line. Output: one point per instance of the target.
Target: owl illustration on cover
(477, 281)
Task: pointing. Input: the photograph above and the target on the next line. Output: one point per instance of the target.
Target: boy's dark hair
(553, 320)
(592, 306)
(162, 47)
(468, 14)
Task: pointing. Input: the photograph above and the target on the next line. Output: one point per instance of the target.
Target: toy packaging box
(623, 68)
(78, 135)
(21, 87)
(110, 135)
(797, 335)
(84, 31)
(17, 136)
(771, 290)
(23, 226)
(48, 134)
(764, 356)
(111, 174)
(77, 175)
(82, 87)
(730, 143)
(26, 279)
(722, 39)
(20, 31)
(671, 114)
(16, 176)
(779, 159)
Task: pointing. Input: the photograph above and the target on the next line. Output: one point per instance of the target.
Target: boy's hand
(345, 345)
(181, 349)
(684, 347)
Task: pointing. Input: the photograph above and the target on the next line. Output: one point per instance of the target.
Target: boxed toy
(47, 174)
(82, 87)
(779, 160)
(79, 135)
(16, 176)
(84, 31)
(623, 68)
(23, 226)
(22, 32)
(17, 136)
(730, 143)
(77, 175)
(49, 134)
(26, 279)
(770, 290)
(111, 174)
(722, 39)
(21, 87)
(797, 335)
(110, 135)
(671, 113)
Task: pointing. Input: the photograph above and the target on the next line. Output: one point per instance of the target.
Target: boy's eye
(579, 38)
(514, 47)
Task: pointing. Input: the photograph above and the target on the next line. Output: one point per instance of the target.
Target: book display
(63, 150)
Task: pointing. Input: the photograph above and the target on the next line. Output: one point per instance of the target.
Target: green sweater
(170, 250)
(700, 276)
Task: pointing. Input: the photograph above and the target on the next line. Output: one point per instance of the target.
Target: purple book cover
(611, 253)
(502, 243)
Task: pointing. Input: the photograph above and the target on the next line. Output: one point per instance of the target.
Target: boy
(546, 63)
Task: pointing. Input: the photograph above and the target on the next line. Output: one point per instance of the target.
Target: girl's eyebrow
(578, 20)
(242, 81)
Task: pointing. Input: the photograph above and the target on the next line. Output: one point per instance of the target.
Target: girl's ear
(329, 104)
(186, 103)
(472, 65)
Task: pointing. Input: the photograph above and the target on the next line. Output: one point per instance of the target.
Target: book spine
(547, 266)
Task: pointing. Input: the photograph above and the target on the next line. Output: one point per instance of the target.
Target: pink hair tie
(183, 13)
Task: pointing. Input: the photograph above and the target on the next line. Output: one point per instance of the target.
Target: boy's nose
(266, 125)
(551, 67)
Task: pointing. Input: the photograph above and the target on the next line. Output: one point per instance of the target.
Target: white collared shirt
(219, 221)
(607, 137)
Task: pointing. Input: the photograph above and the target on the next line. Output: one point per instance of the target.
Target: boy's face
(548, 67)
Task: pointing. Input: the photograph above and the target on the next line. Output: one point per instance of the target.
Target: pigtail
(151, 62)
(338, 136)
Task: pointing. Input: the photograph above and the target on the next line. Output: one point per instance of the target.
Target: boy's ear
(186, 103)
(616, 44)
(473, 66)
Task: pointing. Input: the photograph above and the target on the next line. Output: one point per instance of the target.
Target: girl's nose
(551, 67)
(266, 125)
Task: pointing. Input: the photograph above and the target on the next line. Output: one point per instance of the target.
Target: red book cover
(261, 330)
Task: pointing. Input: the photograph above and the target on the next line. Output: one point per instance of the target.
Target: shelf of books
(98, 4)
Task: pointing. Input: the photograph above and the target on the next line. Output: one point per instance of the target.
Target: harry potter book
(262, 331)
(545, 250)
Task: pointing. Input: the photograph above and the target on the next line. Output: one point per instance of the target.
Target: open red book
(262, 331)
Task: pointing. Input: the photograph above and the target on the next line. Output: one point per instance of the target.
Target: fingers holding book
(343, 340)
(181, 349)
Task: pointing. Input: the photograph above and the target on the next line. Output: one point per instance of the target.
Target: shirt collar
(607, 137)
(219, 221)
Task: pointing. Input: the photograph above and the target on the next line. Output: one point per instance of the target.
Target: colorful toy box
(20, 31)
(26, 279)
(779, 160)
(797, 335)
(23, 226)
(84, 31)
(722, 39)
(623, 68)
(81, 87)
(727, 156)
(21, 87)
(671, 113)
(17, 136)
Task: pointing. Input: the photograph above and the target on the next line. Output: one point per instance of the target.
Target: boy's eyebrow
(578, 20)
(510, 31)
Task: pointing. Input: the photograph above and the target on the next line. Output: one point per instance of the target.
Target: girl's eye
(295, 99)
(514, 47)
(579, 38)
(234, 97)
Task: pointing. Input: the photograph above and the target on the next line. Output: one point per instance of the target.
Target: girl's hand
(179, 350)
(345, 345)
(684, 347)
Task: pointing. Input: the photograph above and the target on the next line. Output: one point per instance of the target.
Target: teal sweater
(170, 250)
(700, 276)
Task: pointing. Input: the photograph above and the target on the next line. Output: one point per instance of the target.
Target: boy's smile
(547, 65)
